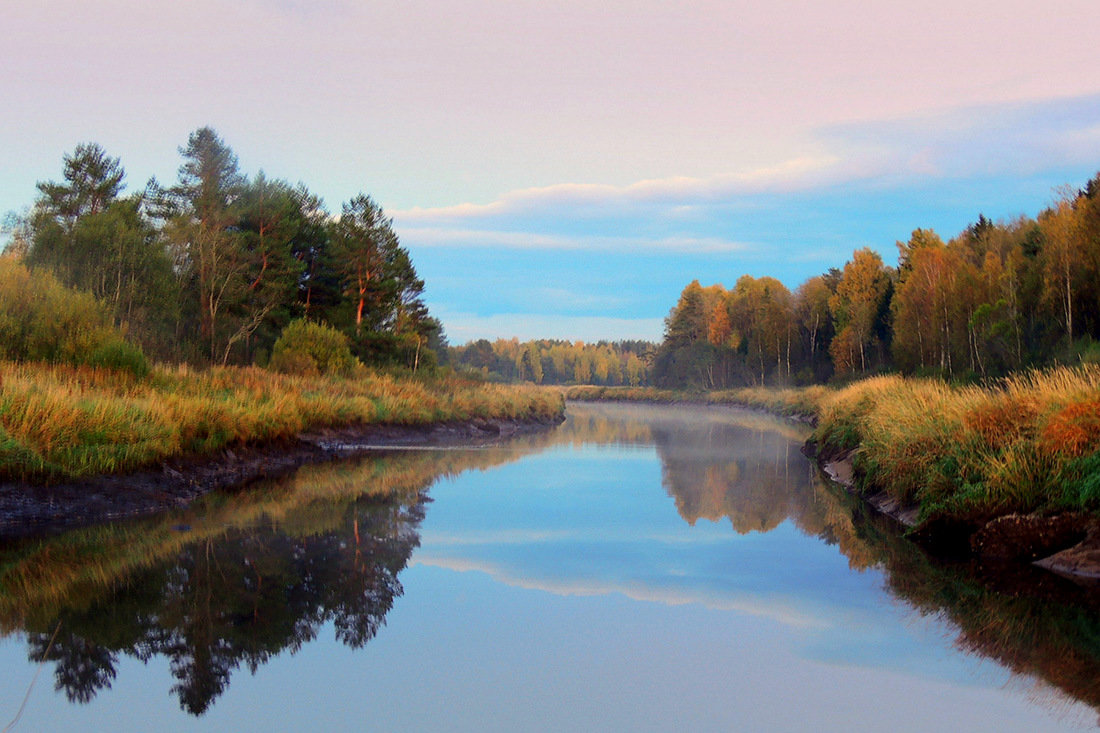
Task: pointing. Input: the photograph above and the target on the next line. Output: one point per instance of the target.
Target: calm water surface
(641, 568)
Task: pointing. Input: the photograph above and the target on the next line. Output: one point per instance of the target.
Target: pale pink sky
(448, 102)
(431, 105)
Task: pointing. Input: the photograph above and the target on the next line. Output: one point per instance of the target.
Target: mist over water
(641, 568)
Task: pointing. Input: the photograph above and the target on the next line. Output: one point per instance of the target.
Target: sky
(564, 169)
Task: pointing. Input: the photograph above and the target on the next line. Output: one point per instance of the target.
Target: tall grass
(1030, 443)
(62, 422)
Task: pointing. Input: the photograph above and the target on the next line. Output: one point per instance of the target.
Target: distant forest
(210, 269)
(548, 361)
(998, 297)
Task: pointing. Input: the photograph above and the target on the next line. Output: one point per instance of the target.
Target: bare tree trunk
(788, 351)
(920, 342)
(1069, 303)
(246, 329)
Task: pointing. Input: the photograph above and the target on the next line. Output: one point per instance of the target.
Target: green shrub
(121, 356)
(42, 320)
(311, 348)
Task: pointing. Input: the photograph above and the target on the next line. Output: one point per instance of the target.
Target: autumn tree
(857, 309)
(762, 320)
(922, 323)
(811, 306)
(1064, 258)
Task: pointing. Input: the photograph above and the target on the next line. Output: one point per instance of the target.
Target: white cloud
(778, 612)
(789, 175)
(488, 238)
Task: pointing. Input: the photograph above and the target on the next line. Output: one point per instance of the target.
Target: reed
(1030, 443)
(62, 422)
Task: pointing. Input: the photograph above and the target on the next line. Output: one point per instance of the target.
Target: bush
(42, 320)
(121, 356)
(311, 348)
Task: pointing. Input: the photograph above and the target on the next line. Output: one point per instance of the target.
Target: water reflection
(1034, 622)
(242, 577)
(233, 581)
(217, 605)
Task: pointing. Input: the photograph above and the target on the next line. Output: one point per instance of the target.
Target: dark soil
(32, 510)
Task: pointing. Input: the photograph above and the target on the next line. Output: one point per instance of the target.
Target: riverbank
(797, 403)
(28, 509)
(79, 445)
(1010, 470)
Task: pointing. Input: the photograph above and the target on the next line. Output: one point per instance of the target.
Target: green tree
(95, 241)
(687, 322)
(360, 239)
(201, 227)
(93, 180)
(270, 221)
(383, 295)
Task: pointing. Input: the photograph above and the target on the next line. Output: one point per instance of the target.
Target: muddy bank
(30, 509)
(1067, 544)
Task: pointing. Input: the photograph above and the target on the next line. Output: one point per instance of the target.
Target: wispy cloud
(480, 238)
(1005, 139)
(637, 591)
(789, 175)
(1009, 139)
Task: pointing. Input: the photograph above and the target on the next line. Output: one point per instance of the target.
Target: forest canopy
(212, 268)
(996, 298)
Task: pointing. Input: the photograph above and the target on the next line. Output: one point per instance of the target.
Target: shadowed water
(641, 568)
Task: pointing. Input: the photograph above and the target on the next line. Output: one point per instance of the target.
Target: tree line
(212, 268)
(548, 361)
(996, 298)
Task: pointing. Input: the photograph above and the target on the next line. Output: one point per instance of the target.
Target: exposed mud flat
(33, 509)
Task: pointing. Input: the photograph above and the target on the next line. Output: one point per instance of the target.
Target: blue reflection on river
(656, 569)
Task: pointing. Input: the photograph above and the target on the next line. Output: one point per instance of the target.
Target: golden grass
(59, 422)
(1026, 444)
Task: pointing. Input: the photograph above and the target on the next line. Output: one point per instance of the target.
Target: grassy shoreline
(1029, 444)
(60, 423)
(795, 402)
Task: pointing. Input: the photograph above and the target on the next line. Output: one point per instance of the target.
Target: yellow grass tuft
(61, 422)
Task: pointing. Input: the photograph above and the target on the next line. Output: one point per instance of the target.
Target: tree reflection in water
(1035, 623)
(235, 579)
(239, 600)
(261, 571)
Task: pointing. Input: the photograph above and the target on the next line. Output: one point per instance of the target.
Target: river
(638, 568)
